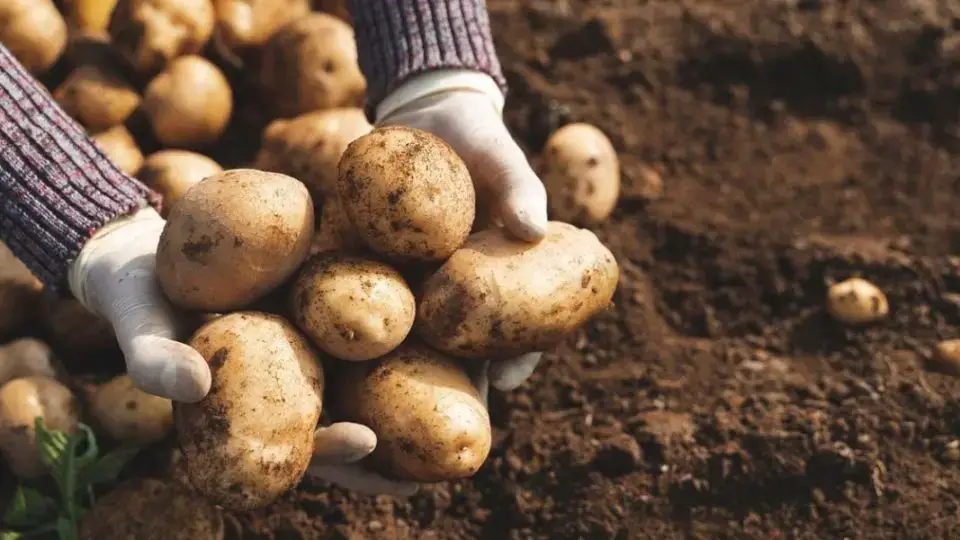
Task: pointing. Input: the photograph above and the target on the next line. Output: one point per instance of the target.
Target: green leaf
(67, 530)
(29, 508)
(50, 443)
(10, 535)
(87, 443)
(107, 468)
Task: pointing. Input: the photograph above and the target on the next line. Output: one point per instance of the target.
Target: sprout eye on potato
(172, 172)
(151, 33)
(189, 104)
(581, 173)
(118, 144)
(34, 32)
(128, 414)
(21, 402)
(96, 98)
(857, 301)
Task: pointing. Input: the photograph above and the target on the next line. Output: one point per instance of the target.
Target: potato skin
(335, 232)
(96, 98)
(408, 194)
(251, 438)
(233, 238)
(21, 401)
(498, 297)
(581, 173)
(430, 421)
(352, 308)
(129, 414)
(189, 104)
(34, 32)
(172, 172)
(151, 33)
(243, 24)
(121, 148)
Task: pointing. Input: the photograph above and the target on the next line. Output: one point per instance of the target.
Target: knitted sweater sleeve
(56, 186)
(397, 39)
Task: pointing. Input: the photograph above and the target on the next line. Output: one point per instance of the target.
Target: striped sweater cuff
(56, 186)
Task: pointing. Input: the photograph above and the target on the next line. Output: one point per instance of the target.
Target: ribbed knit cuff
(397, 39)
(56, 186)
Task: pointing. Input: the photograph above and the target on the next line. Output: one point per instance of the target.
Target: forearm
(397, 39)
(56, 186)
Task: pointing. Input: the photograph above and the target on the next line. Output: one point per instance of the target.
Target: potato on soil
(242, 24)
(335, 232)
(151, 509)
(121, 148)
(21, 402)
(189, 104)
(498, 297)
(430, 421)
(26, 357)
(856, 301)
(128, 414)
(34, 32)
(251, 438)
(233, 238)
(352, 308)
(89, 15)
(151, 33)
(309, 146)
(72, 327)
(172, 172)
(946, 357)
(20, 293)
(96, 98)
(311, 64)
(408, 194)
(581, 173)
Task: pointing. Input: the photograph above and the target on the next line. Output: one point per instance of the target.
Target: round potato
(498, 297)
(34, 32)
(352, 308)
(233, 238)
(857, 301)
(118, 144)
(20, 293)
(22, 401)
(251, 438)
(335, 233)
(242, 24)
(151, 33)
(189, 104)
(96, 98)
(128, 414)
(408, 194)
(581, 173)
(430, 421)
(309, 146)
(151, 509)
(172, 172)
(311, 64)
(26, 357)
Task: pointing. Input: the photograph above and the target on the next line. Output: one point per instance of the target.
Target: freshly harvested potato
(408, 194)
(128, 414)
(118, 144)
(242, 24)
(26, 357)
(89, 15)
(251, 438)
(34, 32)
(71, 327)
(151, 509)
(21, 402)
(430, 421)
(189, 104)
(335, 233)
(311, 64)
(233, 238)
(498, 297)
(581, 173)
(172, 172)
(856, 301)
(946, 357)
(20, 293)
(352, 308)
(96, 98)
(309, 146)
(150, 34)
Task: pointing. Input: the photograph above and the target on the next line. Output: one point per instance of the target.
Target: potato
(581, 173)
(96, 98)
(233, 238)
(151, 509)
(311, 64)
(309, 146)
(408, 194)
(150, 34)
(498, 297)
(946, 357)
(242, 24)
(118, 144)
(172, 172)
(20, 293)
(430, 421)
(21, 402)
(335, 233)
(128, 414)
(89, 15)
(189, 104)
(34, 32)
(72, 328)
(352, 308)
(26, 357)
(856, 301)
(251, 438)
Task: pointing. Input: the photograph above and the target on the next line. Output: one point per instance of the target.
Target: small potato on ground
(946, 357)
(152, 33)
(189, 104)
(128, 414)
(119, 145)
(581, 173)
(21, 402)
(96, 97)
(172, 172)
(34, 32)
(857, 301)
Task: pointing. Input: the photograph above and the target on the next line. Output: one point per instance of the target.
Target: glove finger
(342, 443)
(358, 479)
(507, 375)
(167, 368)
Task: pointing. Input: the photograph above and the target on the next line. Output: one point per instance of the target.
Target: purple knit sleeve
(400, 38)
(56, 186)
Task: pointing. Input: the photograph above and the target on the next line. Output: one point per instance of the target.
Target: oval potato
(96, 98)
(119, 145)
(581, 173)
(498, 297)
(189, 104)
(172, 172)
(129, 414)
(34, 32)
(21, 402)
(151, 33)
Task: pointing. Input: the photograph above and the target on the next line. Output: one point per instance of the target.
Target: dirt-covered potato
(242, 24)
(26, 357)
(309, 146)
(233, 238)
(857, 301)
(498, 297)
(20, 293)
(96, 98)
(21, 402)
(121, 148)
(430, 421)
(311, 64)
(151, 33)
(89, 15)
(34, 32)
(128, 414)
(335, 232)
(72, 328)
(352, 308)
(172, 172)
(581, 173)
(251, 438)
(408, 194)
(189, 104)
(151, 509)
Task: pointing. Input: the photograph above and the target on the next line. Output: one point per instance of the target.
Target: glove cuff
(438, 82)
